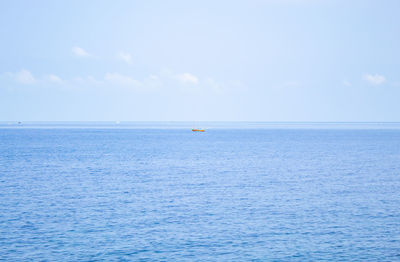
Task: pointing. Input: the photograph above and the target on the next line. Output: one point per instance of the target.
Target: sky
(253, 60)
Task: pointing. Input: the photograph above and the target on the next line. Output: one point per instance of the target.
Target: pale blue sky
(256, 60)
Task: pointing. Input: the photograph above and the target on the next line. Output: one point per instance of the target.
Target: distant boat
(198, 130)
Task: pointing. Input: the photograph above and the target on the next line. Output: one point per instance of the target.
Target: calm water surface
(291, 194)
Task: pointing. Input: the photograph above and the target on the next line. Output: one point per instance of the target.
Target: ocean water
(238, 192)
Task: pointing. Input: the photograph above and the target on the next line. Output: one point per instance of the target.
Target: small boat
(198, 130)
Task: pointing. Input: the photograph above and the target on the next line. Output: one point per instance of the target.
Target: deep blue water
(284, 194)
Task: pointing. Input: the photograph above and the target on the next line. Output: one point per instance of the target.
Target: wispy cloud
(187, 78)
(153, 81)
(87, 81)
(165, 79)
(78, 51)
(126, 57)
(53, 79)
(24, 77)
(214, 85)
(347, 83)
(374, 79)
(118, 79)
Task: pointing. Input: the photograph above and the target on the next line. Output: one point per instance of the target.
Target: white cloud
(78, 51)
(374, 79)
(93, 80)
(347, 83)
(87, 80)
(54, 79)
(116, 78)
(24, 77)
(187, 78)
(214, 85)
(126, 57)
(27, 78)
(153, 81)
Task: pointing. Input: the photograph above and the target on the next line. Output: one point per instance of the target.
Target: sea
(240, 191)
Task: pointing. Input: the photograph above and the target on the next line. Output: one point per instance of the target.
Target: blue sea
(156, 191)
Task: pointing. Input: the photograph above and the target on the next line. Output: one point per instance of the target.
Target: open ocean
(237, 192)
